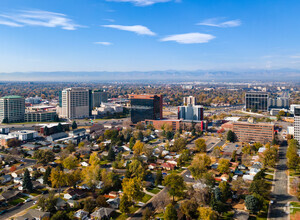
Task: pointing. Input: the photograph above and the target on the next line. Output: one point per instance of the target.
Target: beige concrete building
(74, 103)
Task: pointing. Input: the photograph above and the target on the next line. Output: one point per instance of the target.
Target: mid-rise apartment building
(297, 124)
(191, 112)
(12, 109)
(146, 107)
(189, 100)
(253, 132)
(74, 103)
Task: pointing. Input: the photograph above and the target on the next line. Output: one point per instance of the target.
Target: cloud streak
(141, 2)
(215, 22)
(189, 38)
(38, 18)
(103, 43)
(138, 29)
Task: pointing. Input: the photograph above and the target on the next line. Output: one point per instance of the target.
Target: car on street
(3, 211)
(28, 200)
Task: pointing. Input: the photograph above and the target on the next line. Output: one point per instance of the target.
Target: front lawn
(154, 190)
(146, 198)
(16, 201)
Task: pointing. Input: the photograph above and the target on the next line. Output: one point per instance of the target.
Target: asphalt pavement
(279, 210)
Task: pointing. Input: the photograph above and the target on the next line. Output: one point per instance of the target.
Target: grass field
(154, 190)
(146, 198)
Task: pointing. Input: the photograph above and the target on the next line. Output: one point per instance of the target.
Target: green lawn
(133, 209)
(295, 204)
(270, 177)
(119, 216)
(154, 190)
(146, 198)
(294, 173)
(16, 201)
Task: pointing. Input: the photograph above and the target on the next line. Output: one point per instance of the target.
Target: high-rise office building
(297, 124)
(146, 107)
(191, 112)
(190, 100)
(257, 101)
(75, 103)
(12, 109)
(97, 97)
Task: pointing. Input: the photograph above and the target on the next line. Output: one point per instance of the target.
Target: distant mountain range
(168, 75)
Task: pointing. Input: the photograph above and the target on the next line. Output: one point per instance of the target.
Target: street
(279, 209)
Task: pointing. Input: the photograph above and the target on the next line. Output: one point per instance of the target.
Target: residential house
(81, 214)
(61, 204)
(34, 214)
(114, 203)
(84, 164)
(74, 194)
(168, 166)
(102, 213)
(5, 178)
(9, 194)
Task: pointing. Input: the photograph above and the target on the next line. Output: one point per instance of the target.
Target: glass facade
(257, 101)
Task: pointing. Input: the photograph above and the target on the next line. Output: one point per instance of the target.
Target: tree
(111, 154)
(81, 144)
(60, 128)
(131, 142)
(206, 213)
(46, 177)
(60, 215)
(189, 209)
(200, 145)
(147, 214)
(140, 126)
(101, 201)
(91, 175)
(170, 213)
(89, 205)
(73, 178)
(57, 178)
(140, 136)
(233, 156)
(179, 145)
(125, 203)
(269, 157)
(136, 169)
(230, 136)
(74, 125)
(252, 203)
(293, 160)
(42, 203)
(175, 185)
(138, 148)
(27, 184)
(94, 159)
(208, 179)
(46, 131)
(70, 162)
(44, 156)
(261, 187)
(224, 165)
(225, 191)
(199, 165)
(132, 187)
(159, 178)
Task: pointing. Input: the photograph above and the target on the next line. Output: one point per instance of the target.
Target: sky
(148, 35)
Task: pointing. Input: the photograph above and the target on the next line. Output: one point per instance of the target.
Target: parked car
(19, 204)
(3, 211)
(28, 200)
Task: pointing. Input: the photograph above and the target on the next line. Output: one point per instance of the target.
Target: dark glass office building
(146, 107)
(257, 101)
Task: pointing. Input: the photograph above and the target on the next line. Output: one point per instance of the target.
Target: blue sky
(144, 35)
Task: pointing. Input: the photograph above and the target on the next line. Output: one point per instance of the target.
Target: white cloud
(141, 2)
(38, 18)
(215, 22)
(138, 29)
(295, 56)
(108, 19)
(103, 43)
(189, 38)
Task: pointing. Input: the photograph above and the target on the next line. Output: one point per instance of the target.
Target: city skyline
(148, 35)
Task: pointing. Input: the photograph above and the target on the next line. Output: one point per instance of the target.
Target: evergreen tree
(46, 176)
(111, 154)
(46, 131)
(159, 178)
(59, 127)
(230, 136)
(27, 184)
(74, 125)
